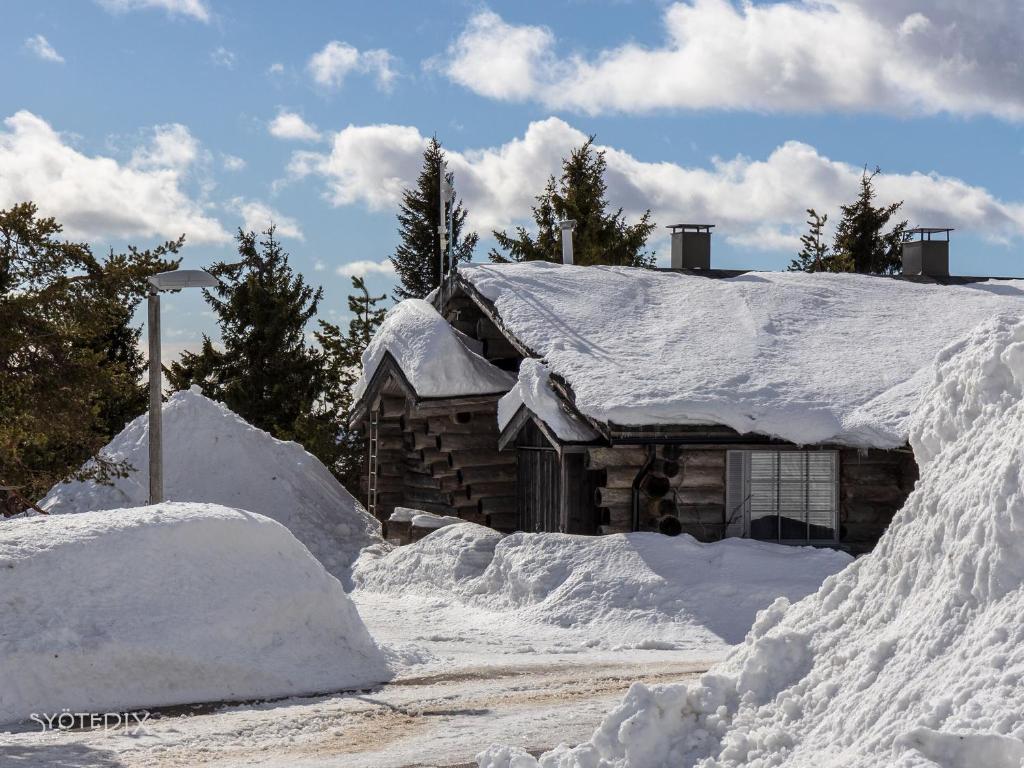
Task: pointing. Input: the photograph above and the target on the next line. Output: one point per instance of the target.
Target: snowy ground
(461, 688)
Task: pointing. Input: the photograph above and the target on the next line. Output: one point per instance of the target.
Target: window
(785, 496)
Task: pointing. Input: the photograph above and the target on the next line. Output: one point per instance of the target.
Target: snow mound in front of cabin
(213, 455)
(169, 604)
(638, 589)
(911, 657)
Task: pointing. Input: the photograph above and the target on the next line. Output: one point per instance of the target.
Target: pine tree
(266, 371)
(860, 243)
(600, 236)
(417, 257)
(814, 256)
(343, 361)
(69, 364)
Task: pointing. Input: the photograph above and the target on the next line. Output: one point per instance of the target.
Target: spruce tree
(580, 193)
(814, 255)
(69, 364)
(417, 257)
(266, 372)
(343, 362)
(861, 244)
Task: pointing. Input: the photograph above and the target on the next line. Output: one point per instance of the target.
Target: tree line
(71, 367)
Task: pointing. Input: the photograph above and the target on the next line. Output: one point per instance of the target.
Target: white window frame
(738, 495)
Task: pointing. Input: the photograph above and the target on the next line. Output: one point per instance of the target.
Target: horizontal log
(620, 477)
(497, 505)
(471, 515)
(620, 514)
(480, 490)
(459, 499)
(439, 425)
(409, 424)
(688, 459)
(389, 498)
(606, 530)
(609, 497)
(416, 480)
(390, 457)
(504, 521)
(422, 441)
(389, 430)
(891, 494)
(414, 496)
(441, 468)
(433, 508)
(507, 472)
(464, 459)
(391, 443)
(700, 495)
(430, 456)
(599, 458)
(454, 442)
(708, 514)
(700, 476)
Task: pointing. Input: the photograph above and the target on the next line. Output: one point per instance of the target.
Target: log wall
(873, 486)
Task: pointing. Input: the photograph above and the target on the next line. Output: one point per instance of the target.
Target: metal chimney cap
(567, 224)
(929, 231)
(691, 227)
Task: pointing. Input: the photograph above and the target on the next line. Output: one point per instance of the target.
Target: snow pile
(169, 604)
(437, 360)
(912, 656)
(805, 357)
(533, 390)
(213, 455)
(640, 589)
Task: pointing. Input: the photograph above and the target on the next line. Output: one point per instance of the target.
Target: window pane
(792, 495)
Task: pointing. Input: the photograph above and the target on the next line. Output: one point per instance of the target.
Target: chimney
(691, 246)
(567, 227)
(926, 256)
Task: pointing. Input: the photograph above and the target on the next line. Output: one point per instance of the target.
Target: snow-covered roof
(533, 390)
(808, 358)
(436, 359)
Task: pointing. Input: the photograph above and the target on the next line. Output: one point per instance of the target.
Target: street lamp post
(165, 281)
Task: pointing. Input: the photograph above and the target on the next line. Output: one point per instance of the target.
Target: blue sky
(134, 120)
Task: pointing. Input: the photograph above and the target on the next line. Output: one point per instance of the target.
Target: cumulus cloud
(41, 47)
(894, 56)
(232, 163)
(257, 216)
(755, 202)
(196, 9)
(335, 61)
(98, 197)
(222, 57)
(291, 126)
(366, 267)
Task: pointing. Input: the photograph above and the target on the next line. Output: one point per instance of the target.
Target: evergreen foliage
(861, 244)
(580, 193)
(343, 360)
(70, 367)
(814, 256)
(266, 371)
(417, 257)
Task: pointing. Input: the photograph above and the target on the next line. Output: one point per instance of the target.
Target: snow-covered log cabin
(771, 405)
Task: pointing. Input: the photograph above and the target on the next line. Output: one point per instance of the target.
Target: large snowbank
(641, 589)
(912, 656)
(211, 454)
(169, 604)
(807, 358)
(533, 390)
(438, 360)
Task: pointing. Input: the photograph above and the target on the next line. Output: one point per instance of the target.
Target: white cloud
(366, 267)
(257, 216)
(171, 146)
(222, 57)
(319, 266)
(277, 68)
(232, 163)
(41, 47)
(335, 61)
(291, 126)
(98, 197)
(196, 9)
(895, 56)
(755, 202)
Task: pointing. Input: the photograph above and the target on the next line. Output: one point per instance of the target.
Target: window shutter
(736, 493)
